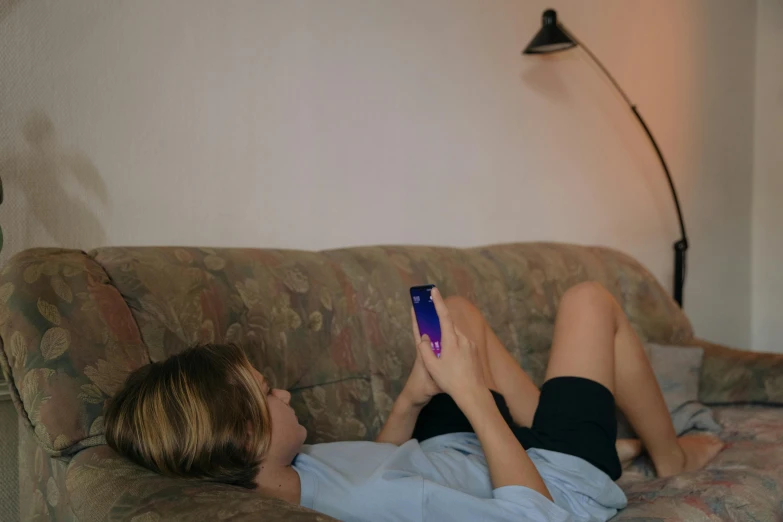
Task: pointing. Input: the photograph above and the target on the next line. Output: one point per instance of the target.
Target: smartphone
(426, 316)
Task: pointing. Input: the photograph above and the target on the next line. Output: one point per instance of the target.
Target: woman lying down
(469, 438)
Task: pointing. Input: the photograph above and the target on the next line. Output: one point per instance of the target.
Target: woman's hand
(458, 371)
(417, 392)
(420, 387)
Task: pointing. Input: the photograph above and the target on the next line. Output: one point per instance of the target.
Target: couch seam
(92, 256)
(337, 267)
(337, 381)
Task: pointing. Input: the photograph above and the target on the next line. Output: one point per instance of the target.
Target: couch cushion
(69, 341)
(295, 313)
(105, 487)
(518, 288)
(677, 370)
(735, 376)
(751, 423)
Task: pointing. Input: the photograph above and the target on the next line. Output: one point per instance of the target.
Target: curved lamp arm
(681, 245)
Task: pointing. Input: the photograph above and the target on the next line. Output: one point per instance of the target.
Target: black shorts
(575, 416)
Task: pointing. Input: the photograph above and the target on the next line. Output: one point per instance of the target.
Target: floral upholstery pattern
(744, 482)
(69, 341)
(733, 376)
(333, 327)
(128, 492)
(43, 495)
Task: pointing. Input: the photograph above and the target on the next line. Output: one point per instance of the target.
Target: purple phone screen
(426, 316)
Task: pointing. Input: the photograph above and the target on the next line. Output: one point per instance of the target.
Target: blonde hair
(198, 414)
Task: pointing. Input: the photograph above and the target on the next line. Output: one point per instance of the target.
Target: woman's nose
(283, 395)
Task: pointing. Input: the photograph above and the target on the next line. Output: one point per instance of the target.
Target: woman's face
(287, 434)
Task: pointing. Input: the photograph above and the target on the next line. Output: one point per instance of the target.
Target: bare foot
(628, 449)
(697, 450)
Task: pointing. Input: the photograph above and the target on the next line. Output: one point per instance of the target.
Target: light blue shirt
(447, 478)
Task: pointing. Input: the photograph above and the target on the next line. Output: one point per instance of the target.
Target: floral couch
(333, 328)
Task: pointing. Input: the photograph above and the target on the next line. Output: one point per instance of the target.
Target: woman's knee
(466, 317)
(462, 309)
(589, 294)
(459, 304)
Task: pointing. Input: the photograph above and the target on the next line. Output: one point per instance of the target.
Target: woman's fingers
(415, 325)
(425, 352)
(446, 324)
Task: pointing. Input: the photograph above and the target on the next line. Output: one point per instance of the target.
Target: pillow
(677, 370)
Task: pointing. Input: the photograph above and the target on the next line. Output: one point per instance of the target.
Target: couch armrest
(102, 486)
(737, 376)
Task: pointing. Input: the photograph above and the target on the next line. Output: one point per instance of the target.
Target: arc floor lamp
(554, 37)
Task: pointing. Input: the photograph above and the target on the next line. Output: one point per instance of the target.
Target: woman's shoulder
(347, 453)
(352, 446)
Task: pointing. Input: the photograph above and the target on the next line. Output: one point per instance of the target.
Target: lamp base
(680, 249)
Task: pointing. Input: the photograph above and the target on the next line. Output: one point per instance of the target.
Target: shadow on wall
(6, 6)
(40, 170)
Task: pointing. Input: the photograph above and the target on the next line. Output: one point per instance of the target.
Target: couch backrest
(333, 326)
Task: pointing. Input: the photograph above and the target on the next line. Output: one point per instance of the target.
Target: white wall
(768, 180)
(311, 124)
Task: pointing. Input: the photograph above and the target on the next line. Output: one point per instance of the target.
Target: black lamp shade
(551, 38)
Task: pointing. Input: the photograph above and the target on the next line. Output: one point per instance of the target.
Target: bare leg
(501, 370)
(593, 339)
(628, 449)
(503, 373)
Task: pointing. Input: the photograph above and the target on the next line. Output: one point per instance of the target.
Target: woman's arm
(459, 373)
(509, 464)
(418, 391)
(402, 419)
